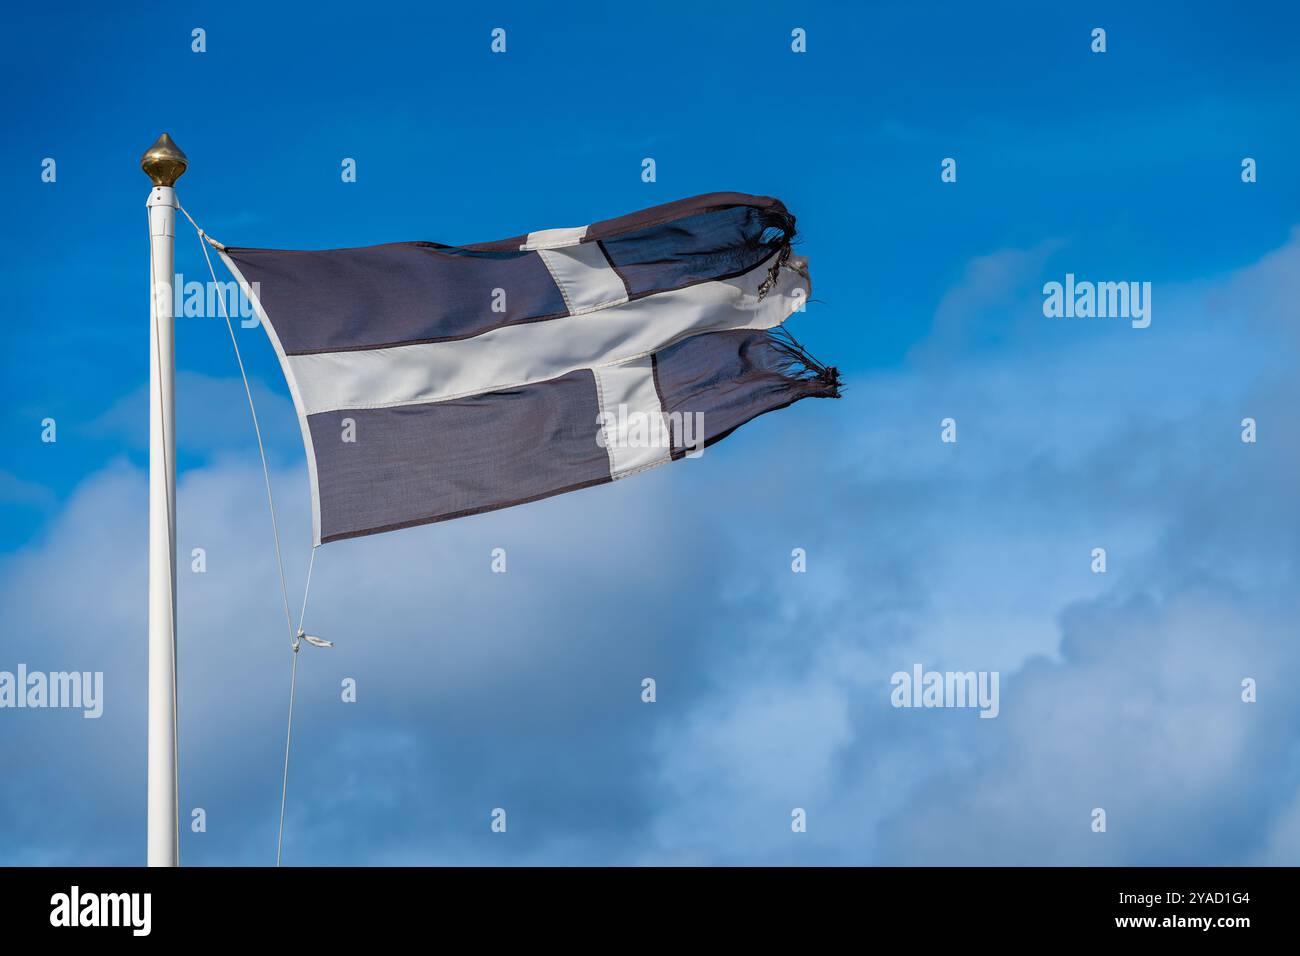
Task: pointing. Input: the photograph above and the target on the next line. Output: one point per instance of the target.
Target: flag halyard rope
(294, 633)
(293, 684)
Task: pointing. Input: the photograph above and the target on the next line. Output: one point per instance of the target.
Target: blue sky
(521, 690)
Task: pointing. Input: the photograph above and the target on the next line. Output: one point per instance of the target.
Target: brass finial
(164, 162)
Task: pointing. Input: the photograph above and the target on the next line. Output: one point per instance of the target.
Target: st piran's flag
(435, 381)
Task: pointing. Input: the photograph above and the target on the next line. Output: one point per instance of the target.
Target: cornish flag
(435, 381)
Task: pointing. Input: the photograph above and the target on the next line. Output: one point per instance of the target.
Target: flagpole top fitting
(164, 162)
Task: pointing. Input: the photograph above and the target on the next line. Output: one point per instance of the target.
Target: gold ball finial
(164, 162)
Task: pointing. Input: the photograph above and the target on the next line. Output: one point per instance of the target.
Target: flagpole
(164, 162)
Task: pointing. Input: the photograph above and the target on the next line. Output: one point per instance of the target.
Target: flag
(433, 382)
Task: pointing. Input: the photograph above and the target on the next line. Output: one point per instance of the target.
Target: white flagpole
(164, 162)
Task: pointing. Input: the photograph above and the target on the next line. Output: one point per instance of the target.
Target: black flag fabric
(433, 382)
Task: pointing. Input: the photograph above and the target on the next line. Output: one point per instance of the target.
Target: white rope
(302, 615)
(288, 736)
(204, 241)
(293, 684)
(261, 449)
